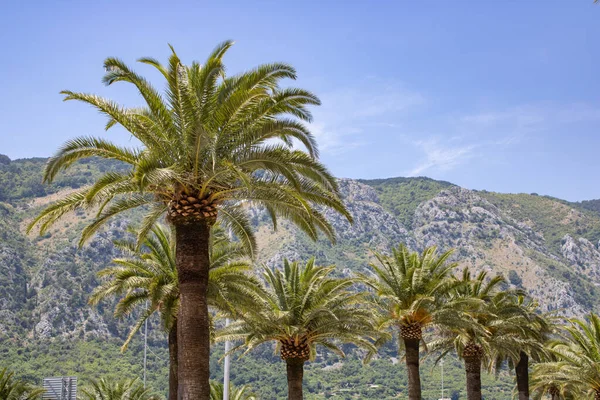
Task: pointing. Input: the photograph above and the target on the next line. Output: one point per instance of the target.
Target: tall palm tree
(411, 293)
(580, 351)
(303, 307)
(146, 279)
(235, 393)
(529, 341)
(207, 146)
(493, 325)
(108, 389)
(16, 389)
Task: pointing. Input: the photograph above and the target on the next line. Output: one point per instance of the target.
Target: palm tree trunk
(473, 370)
(193, 334)
(412, 366)
(597, 394)
(522, 372)
(295, 372)
(173, 362)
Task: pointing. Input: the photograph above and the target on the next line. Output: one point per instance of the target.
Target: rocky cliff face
(486, 239)
(45, 282)
(583, 256)
(483, 236)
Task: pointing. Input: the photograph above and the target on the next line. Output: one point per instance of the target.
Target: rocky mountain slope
(546, 245)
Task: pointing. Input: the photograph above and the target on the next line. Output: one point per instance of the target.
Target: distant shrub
(514, 278)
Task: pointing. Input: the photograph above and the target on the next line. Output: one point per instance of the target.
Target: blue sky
(496, 95)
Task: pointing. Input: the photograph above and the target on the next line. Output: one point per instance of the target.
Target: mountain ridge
(547, 246)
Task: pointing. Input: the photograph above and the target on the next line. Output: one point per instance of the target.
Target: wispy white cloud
(345, 115)
(477, 134)
(438, 155)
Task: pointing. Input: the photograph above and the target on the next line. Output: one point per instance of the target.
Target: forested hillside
(545, 245)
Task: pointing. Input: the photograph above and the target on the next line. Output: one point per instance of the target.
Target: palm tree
(580, 352)
(303, 307)
(411, 293)
(235, 393)
(16, 389)
(147, 280)
(493, 324)
(108, 389)
(530, 341)
(549, 379)
(207, 147)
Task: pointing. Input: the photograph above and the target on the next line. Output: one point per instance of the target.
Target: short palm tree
(410, 291)
(109, 389)
(494, 325)
(12, 388)
(550, 380)
(146, 279)
(303, 307)
(580, 351)
(235, 393)
(207, 146)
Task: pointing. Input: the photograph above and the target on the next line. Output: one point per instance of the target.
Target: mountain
(547, 246)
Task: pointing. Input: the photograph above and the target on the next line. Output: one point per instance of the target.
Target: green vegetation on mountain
(552, 217)
(47, 328)
(22, 179)
(401, 196)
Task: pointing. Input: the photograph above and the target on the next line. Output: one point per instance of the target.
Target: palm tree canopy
(411, 288)
(108, 389)
(553, 377)
(579, 350)
(302, 305)
(235, 393)
(146, 278)
(492, 321)
(207, 144)
(536, 328)
(15, 389)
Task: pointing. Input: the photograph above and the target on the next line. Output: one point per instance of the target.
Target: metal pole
(226, 367)
(145, 346)
(442, 364)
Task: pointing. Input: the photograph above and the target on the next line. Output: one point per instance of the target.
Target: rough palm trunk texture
(597, 394)
(522, 372)
(295, 372)
(473, 370)
(173, 363)
(412, 366)
(193, 338)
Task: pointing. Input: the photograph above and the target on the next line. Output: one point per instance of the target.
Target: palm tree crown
(411, 292)
(15, 389)
(147, 278)
(411, 288)
(490, 323)
(208, 143)
(580, 354)
(107, 389)
(235, 393)
(301, 307)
